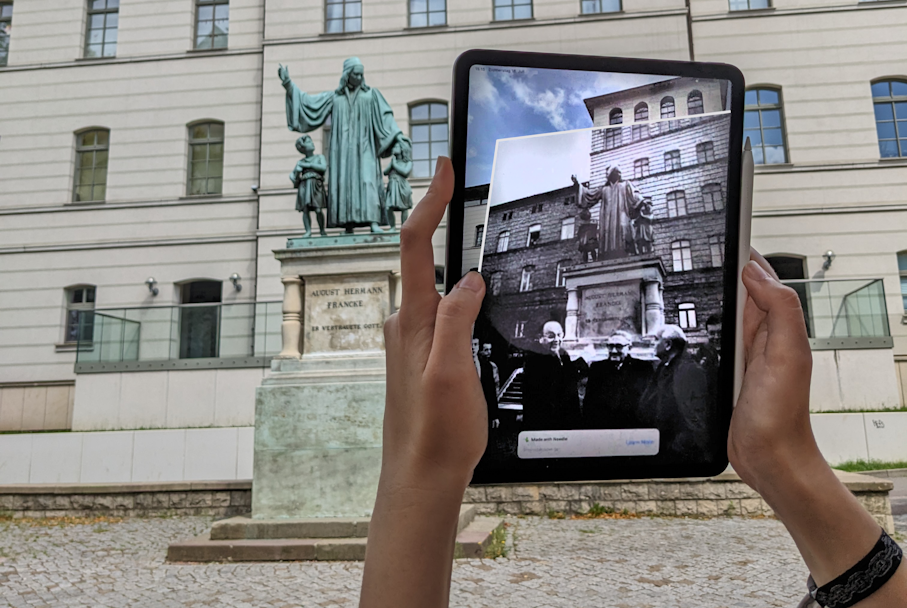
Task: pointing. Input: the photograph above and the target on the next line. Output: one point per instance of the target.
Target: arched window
(92, 148)
(428, 131)
(686, 315)
(526, 278)
(677, 203)
(79, 314)
(640, 114)
(682, 256)
(503, 241)
(667, 107)
(762, 123)
(694, 103)
(712, 197)
(889, 99)
(616, 117)
(705, 152)
(206, 158)
(640, 168)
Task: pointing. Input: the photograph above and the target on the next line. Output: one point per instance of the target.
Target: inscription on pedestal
(604, 308)
(345, 313)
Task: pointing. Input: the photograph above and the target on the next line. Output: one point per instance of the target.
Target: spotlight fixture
(235, 278)
(151, 282)
(829, 258)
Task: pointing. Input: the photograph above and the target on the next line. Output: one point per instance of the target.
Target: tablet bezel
(576, 469)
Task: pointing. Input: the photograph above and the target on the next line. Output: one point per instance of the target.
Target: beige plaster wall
(36, 407)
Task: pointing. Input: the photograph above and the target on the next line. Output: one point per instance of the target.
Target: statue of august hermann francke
(363, 130)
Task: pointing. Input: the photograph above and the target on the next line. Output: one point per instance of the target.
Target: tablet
(600, 200)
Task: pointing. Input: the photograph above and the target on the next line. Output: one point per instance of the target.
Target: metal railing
(179, 337)
(844, 313)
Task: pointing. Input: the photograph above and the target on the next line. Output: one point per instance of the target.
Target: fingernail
(755, 270)
(472, 281)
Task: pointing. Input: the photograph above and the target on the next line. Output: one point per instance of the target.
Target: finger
(757, 257)
(417, 257)
(781, 305)
(457, 312)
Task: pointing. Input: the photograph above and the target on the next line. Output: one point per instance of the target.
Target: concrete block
(340, 549)
(15, 457)
(714, 490)
(691, 490)
(665, 507)
(511, 508)
(11, 402)
(57, 407)
(245, 451)
(532, 507)
(220, 499)
(646, 506)
(625, 505)
(474, 494)
(179, 500)
(549, 491)
(210, 454)
(685, 507)
(590, 492)
(33, 405)
(750, 506)
(203, 549)
(189, 398)
(886, 435)
(839, 437)
(107, 457)
(569, 491)
(477, 537)
(525, 493)
(486, 508)
(610, 491)
(558, 506)
(159, 455)
(664, 491)
(634, 491)
(56, 458)
(708, 508)
(498, 493)
(729, 507)
(240, 498)
(740, 490)
(579, 506)
(143, 400)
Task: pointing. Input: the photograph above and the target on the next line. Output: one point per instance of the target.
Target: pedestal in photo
(319, 414)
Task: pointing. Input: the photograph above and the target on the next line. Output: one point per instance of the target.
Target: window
(536, 208)
(712, 198)
(509, 10)
(749, 5)
(343, 16)
(694, 103)
(6, 26)
(503, 241)
(705, 152)
(428, 130)
(640, 114)
(427, 13)
(889, 99)
(206, 158)
(677, 203)
(79, 318)
(641, 168)
(560, 280)
(667, 107)
(475, 202)
(496, 284)
(200, 324)
(616, 117)
(101, 33)
(716, 249)
(902, 270)
(480, 232)
(526, 279)
(592, 7)
(683, 256)
(762, 124)
(535, 234)
(613, 138)
(91, 166)
(567, 226)
(686, 313)
(212, 24)
(519, 329)
(439, 276)
(672, 160)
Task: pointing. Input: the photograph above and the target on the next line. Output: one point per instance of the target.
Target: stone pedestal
(319, 414)
(604, 296)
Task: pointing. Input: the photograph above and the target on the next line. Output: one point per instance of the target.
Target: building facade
(147, 140)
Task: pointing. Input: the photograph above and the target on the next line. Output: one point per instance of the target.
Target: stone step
(472, 541)
(245, 528)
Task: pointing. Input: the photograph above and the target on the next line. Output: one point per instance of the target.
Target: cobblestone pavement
(616, 563)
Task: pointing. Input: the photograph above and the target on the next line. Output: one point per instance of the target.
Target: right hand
(770, 425)
(284, 73)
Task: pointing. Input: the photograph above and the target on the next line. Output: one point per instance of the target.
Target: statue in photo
(308, 179)
(399, 195)
(363, 131)
(587, 234)
(620, 203)
(644, 234)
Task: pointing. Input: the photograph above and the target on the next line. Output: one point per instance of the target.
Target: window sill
(600, 14)
(203, 51)
(753, 11)
(425, 27)
(92, 59)
(195, 197)
(84, 203)
(71, 347)
(339, 34)
(526, 20)
(897, 160)
(773, 167)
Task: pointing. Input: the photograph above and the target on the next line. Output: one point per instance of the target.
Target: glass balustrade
(851, 309)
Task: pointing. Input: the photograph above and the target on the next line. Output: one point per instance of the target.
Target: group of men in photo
(674, 393)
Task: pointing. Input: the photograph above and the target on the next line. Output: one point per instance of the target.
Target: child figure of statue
(399, 195)
(308, 179)
(644, 235)
(588, 236)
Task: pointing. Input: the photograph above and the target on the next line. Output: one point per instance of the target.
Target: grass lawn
(856, 466)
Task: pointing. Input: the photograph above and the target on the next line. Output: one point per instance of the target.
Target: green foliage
(556, 514)
(856, 466)
(498, 545)
(596, 510)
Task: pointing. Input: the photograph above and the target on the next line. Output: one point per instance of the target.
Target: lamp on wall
(151, 282)
(235, 278)
(829, 258)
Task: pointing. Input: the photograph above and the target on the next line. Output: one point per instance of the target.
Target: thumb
(457, 311)
(781, 304)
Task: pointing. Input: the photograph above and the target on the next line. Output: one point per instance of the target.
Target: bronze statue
(308, 179)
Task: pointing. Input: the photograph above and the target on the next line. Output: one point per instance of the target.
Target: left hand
(435, 419)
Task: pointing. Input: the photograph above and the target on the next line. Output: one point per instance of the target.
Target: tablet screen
(595, 208)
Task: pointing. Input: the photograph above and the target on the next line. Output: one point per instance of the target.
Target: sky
(515, 102)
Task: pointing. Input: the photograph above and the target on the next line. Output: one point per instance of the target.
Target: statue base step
(243, 539)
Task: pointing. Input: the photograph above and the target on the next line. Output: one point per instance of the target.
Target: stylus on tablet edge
(747, 167)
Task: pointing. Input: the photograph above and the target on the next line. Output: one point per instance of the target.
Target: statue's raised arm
(305, 112)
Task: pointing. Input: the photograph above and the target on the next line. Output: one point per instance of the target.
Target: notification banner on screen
(588, 443)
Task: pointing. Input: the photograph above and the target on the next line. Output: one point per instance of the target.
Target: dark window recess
(200, 324)
(790, 268)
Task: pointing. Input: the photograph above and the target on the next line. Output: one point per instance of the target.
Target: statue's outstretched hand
(284, 73)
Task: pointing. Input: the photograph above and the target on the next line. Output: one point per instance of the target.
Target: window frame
(716, 245)
(662, 105)
(6, 28)
(675, 202)
(511, 4)
(749, 7)
(526, 279)
(503, 242)
(671, 154)
(342, 19)
(892, 101)
(678, 247)
(480, 234)
(495, 283)
(705, 152)
(537, 230)
(759, 108)
(195, 29)
(427, 12)
(600, 11)
(429, 123)
(641, 168)
(559, 279)
(686, 311)
(94, 148)
(79, 307)
(709, 189)
(690, 97)
(207, 142)
(568, 221)
(106, 11)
